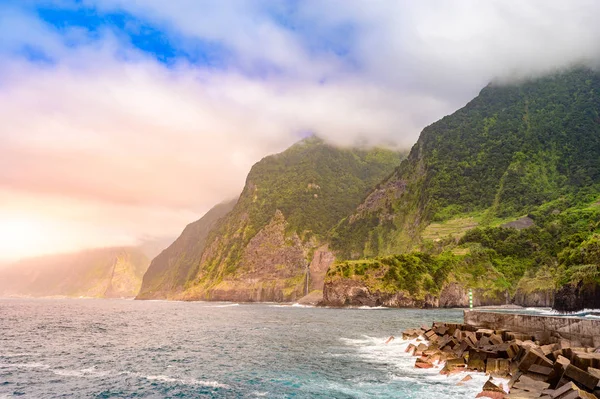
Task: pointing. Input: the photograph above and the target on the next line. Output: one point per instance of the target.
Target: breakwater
(521, 363)
(546, 329)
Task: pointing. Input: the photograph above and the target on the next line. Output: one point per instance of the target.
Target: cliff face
(170, 270)
(508, 151)
(272, 267)
(272, 245)
(347, 292)
(538, 298)
(504, 191)
(98, 273)
(576, 297)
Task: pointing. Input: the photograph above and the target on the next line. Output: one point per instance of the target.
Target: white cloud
(133, 147)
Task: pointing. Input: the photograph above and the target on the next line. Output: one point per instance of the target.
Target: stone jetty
(531, 368)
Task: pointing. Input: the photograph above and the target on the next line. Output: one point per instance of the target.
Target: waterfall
(307, 278)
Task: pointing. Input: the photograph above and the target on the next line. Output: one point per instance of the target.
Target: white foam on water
(372, 308)
(536, 310)
(89, 372)
(428, 382)
(260, 394)
(290, 305)
(25, 365)
(186, 381)
(225, 306)
(68, 373)
(552, 312)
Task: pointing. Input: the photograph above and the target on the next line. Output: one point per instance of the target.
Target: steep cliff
(529, 149)
(98, 273)
(506, 152)
(170, 270)
(272, 246)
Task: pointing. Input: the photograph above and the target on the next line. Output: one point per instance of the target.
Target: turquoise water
(153, 349)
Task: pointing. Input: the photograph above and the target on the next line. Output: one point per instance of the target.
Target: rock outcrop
(576, 297)
(169, 271)
(348, 292)
(455, 295)
(272, 268)
(272, 245)
(537, 298)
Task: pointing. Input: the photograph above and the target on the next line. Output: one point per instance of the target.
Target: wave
(225, 306)
(290, 305)
(25, 365)
(88, 372)
(374, 350)
(591, 313)
(184, 381)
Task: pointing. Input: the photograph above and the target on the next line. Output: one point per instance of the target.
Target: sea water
(77, 348)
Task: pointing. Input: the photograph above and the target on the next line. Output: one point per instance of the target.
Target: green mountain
(98, 273)
(170, 270)
(517, 169)
(272, 246)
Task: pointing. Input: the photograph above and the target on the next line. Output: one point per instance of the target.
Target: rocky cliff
(170, 270)
(98, 273)
(508, 151)
(503, 195)
(273, 244)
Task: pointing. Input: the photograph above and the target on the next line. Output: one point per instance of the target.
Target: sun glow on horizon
(23, 236)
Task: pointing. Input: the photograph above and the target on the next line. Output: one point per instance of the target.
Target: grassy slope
(313, 184)
(530, 149)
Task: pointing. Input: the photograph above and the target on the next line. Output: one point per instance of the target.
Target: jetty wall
(546, 329)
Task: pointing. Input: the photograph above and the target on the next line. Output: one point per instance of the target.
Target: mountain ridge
(111, 272)
(283, 217)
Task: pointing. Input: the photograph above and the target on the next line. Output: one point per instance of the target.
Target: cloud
(128, 145)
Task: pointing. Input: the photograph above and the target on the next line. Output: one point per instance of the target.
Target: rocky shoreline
(352, 292)
(519, 366)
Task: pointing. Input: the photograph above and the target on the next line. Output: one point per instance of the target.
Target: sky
(124, 120)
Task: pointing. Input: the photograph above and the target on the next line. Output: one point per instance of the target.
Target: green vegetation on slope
(415, 272)
(508, 151)
(312, 184)
(531, 149)
(171, 269)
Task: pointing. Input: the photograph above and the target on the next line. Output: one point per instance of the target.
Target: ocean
(87, 348)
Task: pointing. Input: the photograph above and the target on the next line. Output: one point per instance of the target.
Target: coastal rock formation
(455, 295)
(343, 292)
(537, 298)
(346, 292)
(486, 194)
(575, 297)
(272, 245)
(502, 346)
(97, 273)
(272, 268)
(169, 271)
(500, 197)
